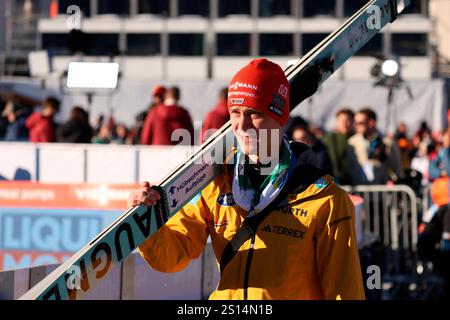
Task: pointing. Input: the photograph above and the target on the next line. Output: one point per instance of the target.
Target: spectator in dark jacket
(164, 119)
(3, 122)
(16, 116)
(217, 117)
(41, 124)
(297, 129)
(77, 129)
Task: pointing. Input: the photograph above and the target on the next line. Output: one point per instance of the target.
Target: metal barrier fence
(390, 220)
(390, 212)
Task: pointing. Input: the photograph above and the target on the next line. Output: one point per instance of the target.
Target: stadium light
(387, 73)
(390, 68)
(92, 75)
(386, 70)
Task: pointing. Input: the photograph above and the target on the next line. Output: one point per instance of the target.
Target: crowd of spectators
(357, 152)
(354, 152)
(153, 126)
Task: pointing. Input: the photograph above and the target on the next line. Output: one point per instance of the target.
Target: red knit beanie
(261, 85)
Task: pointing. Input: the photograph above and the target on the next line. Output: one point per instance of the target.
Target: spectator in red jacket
(217, 117)
(41, 124)
(163, 119)
(158, 93)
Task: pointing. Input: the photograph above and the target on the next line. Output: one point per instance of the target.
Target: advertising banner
(46, 223)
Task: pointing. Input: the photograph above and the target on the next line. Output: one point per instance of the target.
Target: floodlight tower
(388, 75)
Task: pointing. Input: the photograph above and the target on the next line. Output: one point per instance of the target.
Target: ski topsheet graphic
(89, 265)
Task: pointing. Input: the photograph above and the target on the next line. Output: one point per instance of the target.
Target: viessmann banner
(45, 223)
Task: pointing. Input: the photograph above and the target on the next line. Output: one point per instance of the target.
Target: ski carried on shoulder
(132, 228)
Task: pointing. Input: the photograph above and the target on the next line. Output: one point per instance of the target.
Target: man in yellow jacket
(304, 248)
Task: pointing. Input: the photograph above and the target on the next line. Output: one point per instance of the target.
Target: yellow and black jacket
(304, 249)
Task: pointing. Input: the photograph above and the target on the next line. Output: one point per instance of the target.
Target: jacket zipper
(247, 267)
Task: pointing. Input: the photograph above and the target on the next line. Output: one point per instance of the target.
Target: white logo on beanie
(238, 84)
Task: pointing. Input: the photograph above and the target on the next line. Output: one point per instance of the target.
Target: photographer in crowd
(378, 155)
